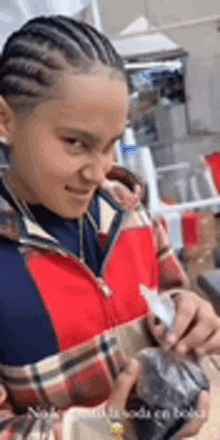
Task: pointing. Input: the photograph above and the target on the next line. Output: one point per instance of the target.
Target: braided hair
(34, 56)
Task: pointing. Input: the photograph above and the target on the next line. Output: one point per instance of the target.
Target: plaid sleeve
(77, 423)
(35, 424)
(171, 272)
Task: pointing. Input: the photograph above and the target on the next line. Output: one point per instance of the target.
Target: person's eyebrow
(74, 132)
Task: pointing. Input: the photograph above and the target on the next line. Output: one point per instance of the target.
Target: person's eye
(74, 146)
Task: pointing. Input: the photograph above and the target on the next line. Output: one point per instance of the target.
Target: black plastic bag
(167, 394)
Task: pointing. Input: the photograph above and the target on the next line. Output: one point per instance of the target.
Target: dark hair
(34, 56)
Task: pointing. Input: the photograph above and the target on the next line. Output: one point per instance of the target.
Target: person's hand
(197, 326)
(127, 198)
(122, 388)
(116, 404)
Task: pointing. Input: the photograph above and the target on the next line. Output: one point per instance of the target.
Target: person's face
(65, 148)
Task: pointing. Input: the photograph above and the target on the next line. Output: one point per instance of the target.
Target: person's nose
(96, 169)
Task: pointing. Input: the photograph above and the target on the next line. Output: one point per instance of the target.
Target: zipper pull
(105, 288)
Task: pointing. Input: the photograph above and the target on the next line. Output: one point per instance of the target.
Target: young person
(72, 257)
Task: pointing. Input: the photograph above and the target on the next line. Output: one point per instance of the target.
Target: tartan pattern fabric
(64, 379)
(58, 382)
(35, 425)
(89, 369)
(61, 381)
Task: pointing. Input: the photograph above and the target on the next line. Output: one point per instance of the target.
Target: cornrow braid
(44, 46)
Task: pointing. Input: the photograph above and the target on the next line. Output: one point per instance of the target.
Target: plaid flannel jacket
(80, 327)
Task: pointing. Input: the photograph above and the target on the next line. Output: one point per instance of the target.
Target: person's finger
(192, 427)
(187, 307)
(125, 197)
(3, 394)
(123, 386)
(121, 193)
(138, 190)
(196, 338)
(202, 328)
(210, 346)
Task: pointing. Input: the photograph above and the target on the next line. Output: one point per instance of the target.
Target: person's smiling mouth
(80, 193)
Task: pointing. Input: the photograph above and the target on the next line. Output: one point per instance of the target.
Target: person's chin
(76, 211)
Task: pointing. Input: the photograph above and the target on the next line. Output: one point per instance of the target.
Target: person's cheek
(109, 162)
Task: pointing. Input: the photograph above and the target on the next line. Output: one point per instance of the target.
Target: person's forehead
(86, 99)
(97, 84)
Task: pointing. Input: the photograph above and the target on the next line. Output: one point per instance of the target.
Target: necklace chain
(19, 203)
(81, 240)
(24, 208)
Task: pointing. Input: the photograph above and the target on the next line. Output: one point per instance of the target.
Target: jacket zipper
(100, 280)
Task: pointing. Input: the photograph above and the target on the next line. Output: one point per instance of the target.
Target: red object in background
(191, 229)
(213, 161)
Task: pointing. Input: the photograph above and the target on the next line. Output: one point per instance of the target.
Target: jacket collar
(19, 227)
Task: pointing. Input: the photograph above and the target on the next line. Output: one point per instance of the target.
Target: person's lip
(79, 193)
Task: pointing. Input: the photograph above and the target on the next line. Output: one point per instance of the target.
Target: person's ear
(6, 120)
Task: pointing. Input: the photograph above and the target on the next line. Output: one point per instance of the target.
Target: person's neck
(18, 187)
